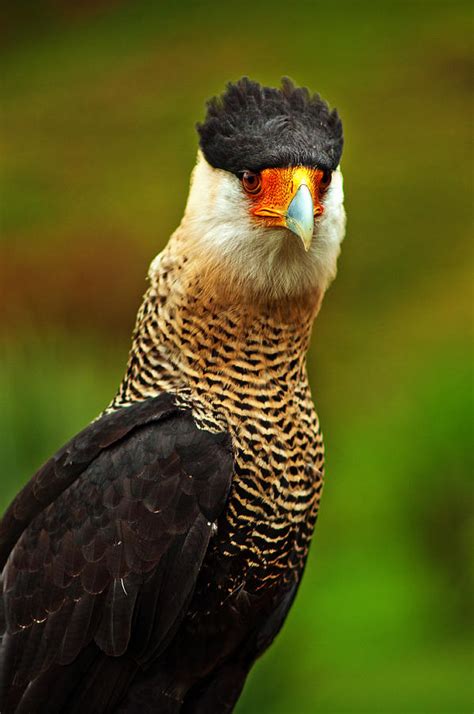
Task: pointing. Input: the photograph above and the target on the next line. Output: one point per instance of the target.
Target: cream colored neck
(187, 340)
(202, 325)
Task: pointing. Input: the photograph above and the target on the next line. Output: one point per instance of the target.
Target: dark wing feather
(64, 467)
(106, 541)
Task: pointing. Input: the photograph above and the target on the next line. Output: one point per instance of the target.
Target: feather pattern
(150, 486)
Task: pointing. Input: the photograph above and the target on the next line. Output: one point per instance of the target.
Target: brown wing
(106, 541)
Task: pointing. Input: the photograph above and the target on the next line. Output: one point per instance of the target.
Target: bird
(154, 558)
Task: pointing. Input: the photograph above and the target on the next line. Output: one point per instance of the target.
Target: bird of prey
(150, 562)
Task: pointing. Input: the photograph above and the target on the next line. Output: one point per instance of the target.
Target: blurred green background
(99, 102)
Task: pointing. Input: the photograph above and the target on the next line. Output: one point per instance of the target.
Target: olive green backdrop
(99, 102)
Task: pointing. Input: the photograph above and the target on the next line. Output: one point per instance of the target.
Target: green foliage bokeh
(99, 102)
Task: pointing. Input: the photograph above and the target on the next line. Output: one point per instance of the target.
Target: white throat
(224, 242)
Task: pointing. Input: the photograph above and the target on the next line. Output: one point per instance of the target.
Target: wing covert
(110, 536)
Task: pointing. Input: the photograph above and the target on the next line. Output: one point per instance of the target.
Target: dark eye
(325, 179)
(251, 182)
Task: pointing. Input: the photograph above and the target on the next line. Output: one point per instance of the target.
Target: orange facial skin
(278, 188)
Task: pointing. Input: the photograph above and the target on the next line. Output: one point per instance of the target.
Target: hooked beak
(300, 215)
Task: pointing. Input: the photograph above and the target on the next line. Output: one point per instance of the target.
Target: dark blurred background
(99, 102)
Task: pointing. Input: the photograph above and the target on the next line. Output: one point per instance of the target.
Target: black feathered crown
(250, 127)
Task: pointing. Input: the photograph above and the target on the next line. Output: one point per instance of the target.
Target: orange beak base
(290, 197)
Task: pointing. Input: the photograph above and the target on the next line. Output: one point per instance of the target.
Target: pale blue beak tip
(300, 215)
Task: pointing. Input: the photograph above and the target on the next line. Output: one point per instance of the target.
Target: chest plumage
(242, 371)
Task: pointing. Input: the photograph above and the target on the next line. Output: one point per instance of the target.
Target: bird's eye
(325, 179)
(251, 182)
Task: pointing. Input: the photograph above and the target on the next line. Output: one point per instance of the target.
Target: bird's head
(265, 215)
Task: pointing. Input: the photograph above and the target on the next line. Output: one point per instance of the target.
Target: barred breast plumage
(241, 370)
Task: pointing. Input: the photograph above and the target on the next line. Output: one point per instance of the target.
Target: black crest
(250, 127)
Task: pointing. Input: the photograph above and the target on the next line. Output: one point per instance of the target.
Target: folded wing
(106, 541)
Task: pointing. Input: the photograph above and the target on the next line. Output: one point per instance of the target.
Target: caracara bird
(151, 560)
